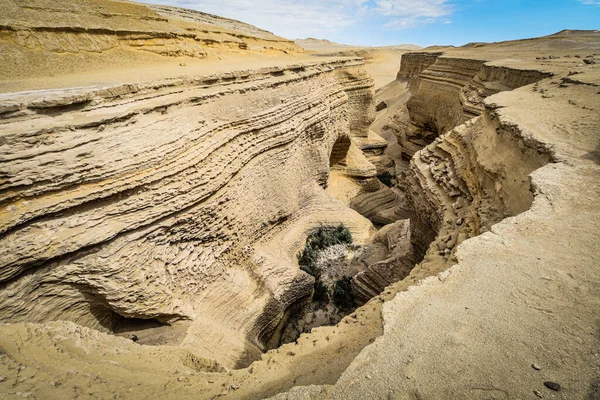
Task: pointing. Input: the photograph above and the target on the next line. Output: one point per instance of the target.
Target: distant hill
(312, 44)
(556, 41)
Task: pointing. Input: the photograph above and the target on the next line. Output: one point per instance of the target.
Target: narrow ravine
(339, 266)
(194, 207)
(449, 195)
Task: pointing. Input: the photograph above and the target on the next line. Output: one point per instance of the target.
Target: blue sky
(389, 22)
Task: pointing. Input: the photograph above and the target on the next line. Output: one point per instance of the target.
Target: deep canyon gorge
(172, 204)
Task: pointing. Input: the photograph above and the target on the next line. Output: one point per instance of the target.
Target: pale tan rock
(400, 259)
(36, 35)
(186, 200)
(525, 285)
(149, 205)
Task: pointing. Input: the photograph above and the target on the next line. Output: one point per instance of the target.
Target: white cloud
(590, 2)
(304, 18)
(288, 18)
(408, 13)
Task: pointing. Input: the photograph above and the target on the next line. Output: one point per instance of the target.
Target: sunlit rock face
(468, 169)
(175, 201)
(41, 38)
(448, 91)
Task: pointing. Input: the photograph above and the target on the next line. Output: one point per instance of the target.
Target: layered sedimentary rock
(518, 292)
(472, 175)
(399, 260)
(467, 180)
(412, 64)
(436, 105)
(474, 172)
(448, 91)
(358, 186)
(183, 201)
(492, 79)
(41, 37)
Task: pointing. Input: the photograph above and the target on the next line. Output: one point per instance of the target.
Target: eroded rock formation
(178, 206)
(474, 172)
(161, 201)
(526, 287)
(467, 170)
(40, 37)
(448, 91)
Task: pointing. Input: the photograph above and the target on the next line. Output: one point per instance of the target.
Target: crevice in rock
(331, 259)
(459, 182)
(149, 331)
(143, 329)
(339, 152)
(465, 174)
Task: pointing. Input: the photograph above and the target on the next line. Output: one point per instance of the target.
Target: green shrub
(386, 178)
(317, 241)
(326, 237)
(320, 240)
(307, 259)
(320, 294)
(343, 234)
(342, 294)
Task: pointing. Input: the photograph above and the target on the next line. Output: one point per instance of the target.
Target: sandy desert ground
(161, 170)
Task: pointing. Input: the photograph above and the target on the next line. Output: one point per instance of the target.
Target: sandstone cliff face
(180, 201)
(467, 180)
(448, 91)
(412, 64)
(466, 172)
(186, 201)
(400, 259)
(474, 172)
(436, 105)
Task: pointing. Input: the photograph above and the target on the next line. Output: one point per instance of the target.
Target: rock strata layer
(523, 171)
(160, 201)
(448, 91)
(174, 210)
(40, 37)
(472, 171)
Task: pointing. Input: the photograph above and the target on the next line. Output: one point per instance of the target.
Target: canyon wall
(467, 180)
(179, 206)
(522, 174)
(447, 91)
(412, 64)
(183, 201)
(467, 171)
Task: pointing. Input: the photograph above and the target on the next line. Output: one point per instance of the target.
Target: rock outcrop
(174, 210)
(400, 259)
(472, 171)
(448, 91)
(412, 64)
(466, 171)
(36, 35)
(524, 287)
(467, 180)
(161, 201)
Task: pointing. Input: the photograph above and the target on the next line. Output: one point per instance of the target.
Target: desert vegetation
(316, 242)
(320, 240)
(387, 178)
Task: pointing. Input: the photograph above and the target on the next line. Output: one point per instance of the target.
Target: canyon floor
(514, 306)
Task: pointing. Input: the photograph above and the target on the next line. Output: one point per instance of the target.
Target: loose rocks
(552, 386)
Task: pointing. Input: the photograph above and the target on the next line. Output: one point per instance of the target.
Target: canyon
(162, 170)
